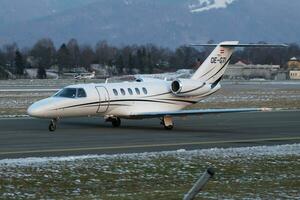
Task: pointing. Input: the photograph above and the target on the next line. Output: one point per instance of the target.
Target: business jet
(151, 98)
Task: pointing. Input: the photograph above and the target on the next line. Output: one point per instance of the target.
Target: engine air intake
(176, 86)
(189, 87)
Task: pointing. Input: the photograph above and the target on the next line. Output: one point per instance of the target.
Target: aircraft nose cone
(42, 109)
(33, 111)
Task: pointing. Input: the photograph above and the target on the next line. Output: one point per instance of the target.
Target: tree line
(126, 59)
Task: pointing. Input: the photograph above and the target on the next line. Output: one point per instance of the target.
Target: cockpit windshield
(71, 93)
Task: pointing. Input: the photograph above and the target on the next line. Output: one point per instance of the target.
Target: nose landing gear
(52, 125)
(167, 122)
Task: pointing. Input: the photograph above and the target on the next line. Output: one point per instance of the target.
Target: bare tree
(74, 52)
(105, 54)
(10, 52)
(87, 56)
(43, 53)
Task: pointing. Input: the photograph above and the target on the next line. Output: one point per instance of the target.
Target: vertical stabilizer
(216, 63)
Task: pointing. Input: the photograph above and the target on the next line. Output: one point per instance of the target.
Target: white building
(295, 74)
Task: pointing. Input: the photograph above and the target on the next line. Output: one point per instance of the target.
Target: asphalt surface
(27, 137)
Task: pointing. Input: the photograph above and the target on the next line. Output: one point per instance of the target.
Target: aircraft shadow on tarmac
(142, 127)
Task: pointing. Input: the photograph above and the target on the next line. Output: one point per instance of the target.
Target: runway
(28, 137)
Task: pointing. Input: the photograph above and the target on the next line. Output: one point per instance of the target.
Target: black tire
(169, 127)
(52, 127)
(116, 122)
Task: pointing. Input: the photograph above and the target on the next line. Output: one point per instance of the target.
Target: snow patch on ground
(221, 153)
(13, 116)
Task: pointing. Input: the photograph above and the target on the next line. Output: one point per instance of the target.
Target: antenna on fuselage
(106, 80)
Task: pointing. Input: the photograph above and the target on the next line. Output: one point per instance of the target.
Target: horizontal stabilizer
(241, 45)
(215, 65)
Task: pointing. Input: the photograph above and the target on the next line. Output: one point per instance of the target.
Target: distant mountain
(163, 22)
(13, 11)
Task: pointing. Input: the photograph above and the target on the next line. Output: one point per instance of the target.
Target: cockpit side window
(67, 92)
(81, 93)
(56, 93)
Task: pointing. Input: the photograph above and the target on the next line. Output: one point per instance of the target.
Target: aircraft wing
(197, 112)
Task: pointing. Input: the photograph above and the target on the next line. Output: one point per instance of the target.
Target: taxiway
(27, 137)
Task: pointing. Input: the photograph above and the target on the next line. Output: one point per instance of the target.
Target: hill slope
(164, 22)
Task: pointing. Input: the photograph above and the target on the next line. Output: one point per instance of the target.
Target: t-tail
(216, 63)
(205, 81)
(214, 67)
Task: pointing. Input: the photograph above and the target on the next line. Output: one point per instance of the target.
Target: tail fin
(216, 63)
(213, 68)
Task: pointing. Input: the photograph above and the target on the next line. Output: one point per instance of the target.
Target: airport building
(242, 71)
(294, 63)
(294, 68)
(295, 75)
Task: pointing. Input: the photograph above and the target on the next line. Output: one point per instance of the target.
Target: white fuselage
(147, 98)
(116, 99)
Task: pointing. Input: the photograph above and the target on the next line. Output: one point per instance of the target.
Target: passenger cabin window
(115, 92)
(137, 91)
(145, 90)
(81, 93)
(130, 91)
(123, 91)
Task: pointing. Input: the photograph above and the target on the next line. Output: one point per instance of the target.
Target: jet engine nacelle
(189, 87)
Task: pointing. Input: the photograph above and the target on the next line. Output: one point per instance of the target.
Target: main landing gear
(167, 122)
(52, 125)
(115, 121)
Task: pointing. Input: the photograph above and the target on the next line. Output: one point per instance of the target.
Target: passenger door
(103, 98)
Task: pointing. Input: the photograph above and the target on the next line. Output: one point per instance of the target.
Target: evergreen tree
(19, 63)
(149, 63)
(140, 61)
(2, 59)
(41, 73)
(120, 64)
(63, 58)
(130, 63)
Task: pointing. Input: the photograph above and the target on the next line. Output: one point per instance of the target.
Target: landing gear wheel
(167, 122)
(170, 127)
(116, 122)
(52, 125)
